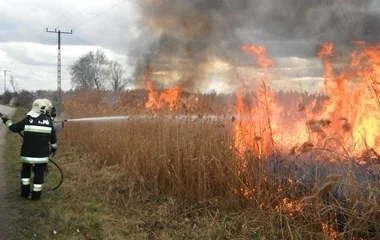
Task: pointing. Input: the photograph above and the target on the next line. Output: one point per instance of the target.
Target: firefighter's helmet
(48, 103)
(39, 107)
(51, 111)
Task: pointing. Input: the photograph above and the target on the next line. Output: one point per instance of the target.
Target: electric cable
(70, 19)
(39, 35)
(98, 15)
(63, 14)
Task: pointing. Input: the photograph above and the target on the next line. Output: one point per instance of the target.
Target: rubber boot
(25, 190)
(36, 195)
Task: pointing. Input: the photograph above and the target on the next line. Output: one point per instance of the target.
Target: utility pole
(59, 89)
(5, 79)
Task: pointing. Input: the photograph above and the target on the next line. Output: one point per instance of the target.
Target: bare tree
(117, 76)
(99, 64)
(81, 74)
(90, 71)
(13, 83)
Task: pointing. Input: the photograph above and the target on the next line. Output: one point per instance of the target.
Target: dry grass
(164, 178)
(191, 162)
(93, 203)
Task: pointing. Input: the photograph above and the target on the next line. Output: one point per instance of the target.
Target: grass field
(163, 178)
(90, 205)
(249, 165)
(195, 163)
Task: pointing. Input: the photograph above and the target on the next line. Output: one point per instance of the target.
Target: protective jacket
(39, 138)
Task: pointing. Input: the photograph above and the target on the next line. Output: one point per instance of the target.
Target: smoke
(188, 39)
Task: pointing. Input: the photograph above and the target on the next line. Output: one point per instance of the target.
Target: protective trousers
(38, 180)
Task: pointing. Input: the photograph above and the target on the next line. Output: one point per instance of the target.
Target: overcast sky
(134, 31)
(30, 53)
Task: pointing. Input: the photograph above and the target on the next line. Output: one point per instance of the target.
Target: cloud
(26, 21)
(180, 37)
(31, 53)
(34, 66)
(186, 35)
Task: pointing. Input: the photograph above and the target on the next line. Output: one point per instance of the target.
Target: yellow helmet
(39, 106)
(51, 111)
(48, 103)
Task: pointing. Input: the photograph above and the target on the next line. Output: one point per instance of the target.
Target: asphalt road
(3, 203)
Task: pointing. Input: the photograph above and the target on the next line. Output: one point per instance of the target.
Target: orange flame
(260, 126)
(348, 120)
(152, 102)
(171, 97)
(354, 98)
(324, 53)
(244, 129)
(260, 52)
(247, 129)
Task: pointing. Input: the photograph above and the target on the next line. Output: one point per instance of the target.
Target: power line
(98, 15)
(69, 20)
(64, 14)
(39, 35)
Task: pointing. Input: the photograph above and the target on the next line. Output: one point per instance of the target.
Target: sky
(30, 53)
(195, 44)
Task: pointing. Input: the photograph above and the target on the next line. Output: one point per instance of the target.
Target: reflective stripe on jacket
(39, 138)
(34, 160)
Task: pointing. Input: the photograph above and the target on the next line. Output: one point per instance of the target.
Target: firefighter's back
(37, 135)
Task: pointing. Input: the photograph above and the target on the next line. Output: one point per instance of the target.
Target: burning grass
(193, 162)
(307, 171)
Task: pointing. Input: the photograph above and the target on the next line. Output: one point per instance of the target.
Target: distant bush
(7, 97)
(24, 99)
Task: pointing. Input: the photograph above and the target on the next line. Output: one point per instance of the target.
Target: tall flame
(260, 52)
(259, 126)
(348, 120)
(152, 102)
(324, 53)
(171, 97)
(353, 106)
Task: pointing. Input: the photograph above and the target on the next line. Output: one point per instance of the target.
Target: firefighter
(39, 143)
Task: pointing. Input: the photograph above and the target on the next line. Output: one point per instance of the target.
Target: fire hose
(60, 170)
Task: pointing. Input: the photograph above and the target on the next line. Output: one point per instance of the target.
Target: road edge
(4, 228)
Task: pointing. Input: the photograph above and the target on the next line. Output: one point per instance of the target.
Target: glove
(4, 117)
(53, 150)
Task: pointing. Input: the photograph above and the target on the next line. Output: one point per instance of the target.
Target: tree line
(94, 71)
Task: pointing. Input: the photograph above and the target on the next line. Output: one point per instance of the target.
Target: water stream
(182, 116)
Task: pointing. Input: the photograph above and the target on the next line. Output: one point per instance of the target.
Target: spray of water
(115, 118)
(93, 119)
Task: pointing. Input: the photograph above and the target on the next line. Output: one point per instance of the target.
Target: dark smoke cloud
(184, 36)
